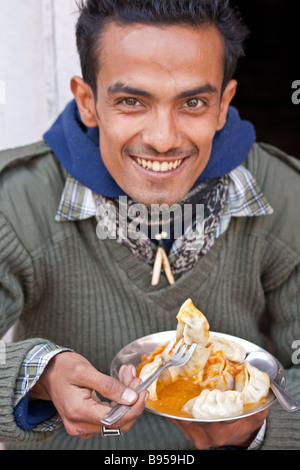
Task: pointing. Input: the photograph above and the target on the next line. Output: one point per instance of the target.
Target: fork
(179, 357)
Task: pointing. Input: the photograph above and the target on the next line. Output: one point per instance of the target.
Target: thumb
(112, 389)
(78, 371)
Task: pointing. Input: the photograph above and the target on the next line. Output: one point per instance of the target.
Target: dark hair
(96, 14)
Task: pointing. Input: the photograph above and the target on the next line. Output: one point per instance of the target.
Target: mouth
(158, 167)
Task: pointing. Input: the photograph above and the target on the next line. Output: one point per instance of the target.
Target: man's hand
(240, 432)
(71, 383)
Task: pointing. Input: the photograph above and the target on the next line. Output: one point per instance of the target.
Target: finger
(184, 426)
(86, 419)
(97, 399)
(127, 374)
(87, 422)
(135, 411)
(114, 390)
(106, 386)
(134, 384)
(88, 432)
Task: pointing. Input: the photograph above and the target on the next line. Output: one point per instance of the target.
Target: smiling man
(151, 124)
(159, 106)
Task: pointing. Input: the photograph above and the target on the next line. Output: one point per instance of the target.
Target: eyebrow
(121, 88)
(118, 87)
(207, 88)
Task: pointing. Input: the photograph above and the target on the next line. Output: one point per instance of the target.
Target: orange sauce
(172, 397)
(249, 406)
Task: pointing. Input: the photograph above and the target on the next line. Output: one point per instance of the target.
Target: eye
(130, 102)
(194, 103)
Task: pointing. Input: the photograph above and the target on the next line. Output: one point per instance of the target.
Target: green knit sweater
(59, 283)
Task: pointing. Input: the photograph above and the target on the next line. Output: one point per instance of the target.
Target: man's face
(159, 106)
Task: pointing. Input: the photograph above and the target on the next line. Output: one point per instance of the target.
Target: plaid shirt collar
(245, 199)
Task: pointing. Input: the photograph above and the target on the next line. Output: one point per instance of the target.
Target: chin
(158, 199)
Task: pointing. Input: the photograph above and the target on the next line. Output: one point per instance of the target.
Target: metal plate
(133, 352)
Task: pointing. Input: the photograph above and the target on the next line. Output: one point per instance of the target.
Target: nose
(162, 132)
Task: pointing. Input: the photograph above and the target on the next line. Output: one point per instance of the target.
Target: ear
(85, 101)
(227, 97)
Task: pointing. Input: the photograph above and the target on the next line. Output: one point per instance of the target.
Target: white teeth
(164, 166)
(157, 166)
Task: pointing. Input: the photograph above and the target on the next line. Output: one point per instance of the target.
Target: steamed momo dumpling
(148, 370)
(252, 383)
(214, 404)
(217, 374)
(194, 365)
(233, 351)
(193, 328)
(192, 325)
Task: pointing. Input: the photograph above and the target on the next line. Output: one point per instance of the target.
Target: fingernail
(129, 395)
(133, 370)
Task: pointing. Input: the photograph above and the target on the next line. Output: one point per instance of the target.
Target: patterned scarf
(135, 226)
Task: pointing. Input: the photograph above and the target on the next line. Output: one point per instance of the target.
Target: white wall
(37, 59)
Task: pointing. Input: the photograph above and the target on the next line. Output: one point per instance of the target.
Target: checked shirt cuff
(38, 415)
(258, 441)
